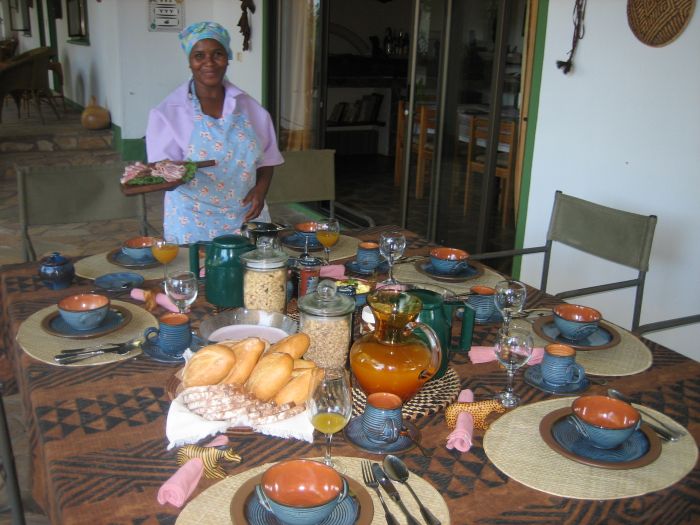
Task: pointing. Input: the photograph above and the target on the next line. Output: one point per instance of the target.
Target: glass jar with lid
(265, 278)
(326, 317)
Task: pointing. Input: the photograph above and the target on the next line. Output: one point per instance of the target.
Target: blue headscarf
(201, 30)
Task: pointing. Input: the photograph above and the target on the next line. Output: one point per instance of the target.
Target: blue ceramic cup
(448, 260)
(139, 248)
(482, 302)
(301, 491)
(382, 421)
(574, 321)
(559, 365)
(605, 421)
(84, 311)
(173, 335)
(368, 257)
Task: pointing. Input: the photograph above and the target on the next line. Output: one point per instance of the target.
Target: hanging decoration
(658, 23)
(244, 23)
(579, 31)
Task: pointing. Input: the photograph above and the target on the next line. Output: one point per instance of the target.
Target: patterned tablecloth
(99, 447)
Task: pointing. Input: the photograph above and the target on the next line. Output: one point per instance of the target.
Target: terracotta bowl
(448, 260)
(606, 421)
(84, 311)
(576, 322)
(139, 248)
(307, 228)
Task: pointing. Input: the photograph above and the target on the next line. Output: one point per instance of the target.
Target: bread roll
(295, 345)
(247, 353)
(208, 366)
(271, 373)
(298, 390)
(303, 364)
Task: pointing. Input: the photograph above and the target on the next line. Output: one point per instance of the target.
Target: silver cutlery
(73, 356)
(388, 486)
(397, 470)
(371, 482)
(664, 430)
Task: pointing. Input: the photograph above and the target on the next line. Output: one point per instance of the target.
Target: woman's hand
(256, 196)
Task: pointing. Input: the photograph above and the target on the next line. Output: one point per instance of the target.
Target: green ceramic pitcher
(223, 268)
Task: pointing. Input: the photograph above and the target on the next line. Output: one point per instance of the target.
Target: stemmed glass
(330, 407)
(182, 288)
(391, 246)
(513, 349)
(509, 298)
(164, 252)
(328, 233)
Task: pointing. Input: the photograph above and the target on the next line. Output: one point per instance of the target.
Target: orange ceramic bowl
(84, 311)
(301, 483)
(139, 248)
(307, 228)
(448, 260)
(605, 421)
(576, 322)
(449, 254)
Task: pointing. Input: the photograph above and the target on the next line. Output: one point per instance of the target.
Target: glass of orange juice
(328, 233)
(164, 251)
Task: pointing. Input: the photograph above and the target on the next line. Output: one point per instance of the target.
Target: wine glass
(182, 288)
(391, 246)
(164, 252)
(509, 298)
(328, 233)
(330, 406)
(513, 349)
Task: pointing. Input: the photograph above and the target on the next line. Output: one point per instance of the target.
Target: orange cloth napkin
(461, 437)
(180, 485)
(485, 354)
(161, 299)
(333, 271)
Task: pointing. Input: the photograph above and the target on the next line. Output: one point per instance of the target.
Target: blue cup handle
(391, 432)
(150, 331)
(344, 492)
(576, 373)
(262, 498)
(579, 426)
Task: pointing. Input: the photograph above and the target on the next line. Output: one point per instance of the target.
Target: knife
(388, 486)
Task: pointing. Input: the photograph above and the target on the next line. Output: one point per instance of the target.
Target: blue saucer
(344, 514)
(533, 377)
(600, 337)
(151, 349)
(297, 241)
(119, 281)
(426, 268)
(119, 258)
(354, 433)
(354, 267)
(565, 433)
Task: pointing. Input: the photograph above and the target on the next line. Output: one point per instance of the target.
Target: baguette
(247, 353)
(295, 345)
(272, 372)
(208, 366)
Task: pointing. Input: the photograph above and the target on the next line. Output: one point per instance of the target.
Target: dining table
(100, 452)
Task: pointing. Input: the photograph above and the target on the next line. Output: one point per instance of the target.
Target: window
(77, 19)
(19, 16)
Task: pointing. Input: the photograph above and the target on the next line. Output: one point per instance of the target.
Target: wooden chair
(71, 194)
(614, 235)
(505, 160)
(422, 143)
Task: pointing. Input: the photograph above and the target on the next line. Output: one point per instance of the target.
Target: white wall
(623, 129)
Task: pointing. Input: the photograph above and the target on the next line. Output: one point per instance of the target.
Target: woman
(208, 118)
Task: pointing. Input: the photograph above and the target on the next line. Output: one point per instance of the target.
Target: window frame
(77, 20)
(19, 16)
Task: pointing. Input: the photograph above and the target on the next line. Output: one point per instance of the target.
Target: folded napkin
(333, 271)
(461, 437)
(484, 354)
(161, 299)
(180, 485)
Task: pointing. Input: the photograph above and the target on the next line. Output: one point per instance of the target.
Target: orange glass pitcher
(391, 358)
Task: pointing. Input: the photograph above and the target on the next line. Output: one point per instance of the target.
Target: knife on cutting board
(388, 486)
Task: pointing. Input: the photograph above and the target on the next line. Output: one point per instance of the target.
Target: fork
(371, 482)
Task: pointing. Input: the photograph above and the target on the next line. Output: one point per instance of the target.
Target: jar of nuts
(326, 317)
(265, 278)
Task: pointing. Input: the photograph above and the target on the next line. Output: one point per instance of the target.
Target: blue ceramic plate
(118, 257)
(354, 433)
(533, 377)
(297, 242)
(119, 281)
(151, 349)
(344, 514)
(355, 268)
(605, 337)
(117, 316)
(470, 272)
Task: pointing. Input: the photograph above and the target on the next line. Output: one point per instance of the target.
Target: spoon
(397, 470)
(427, 453)
(74, 357)
(674, 435)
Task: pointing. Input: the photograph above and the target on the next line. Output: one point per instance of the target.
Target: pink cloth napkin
(161, 299)
(461, 437)
(181, 484)
(485, 354)
(334, 271)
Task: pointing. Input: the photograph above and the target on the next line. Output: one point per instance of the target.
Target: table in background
(99, 447)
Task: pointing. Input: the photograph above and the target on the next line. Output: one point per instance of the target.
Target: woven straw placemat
(212, 505)
(658, 23)
(433, 397)
(630, 356)
(96, 265)
(408, 273)
(345, 247)
(514, 445)
(43, 346)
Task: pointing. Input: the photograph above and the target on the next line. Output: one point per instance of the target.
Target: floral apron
(210, 204)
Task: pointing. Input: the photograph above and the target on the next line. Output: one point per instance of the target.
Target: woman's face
(208, 62)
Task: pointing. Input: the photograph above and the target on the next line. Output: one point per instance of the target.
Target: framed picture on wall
(19, 16)
(77, 18)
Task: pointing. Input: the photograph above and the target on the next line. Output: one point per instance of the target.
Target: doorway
(370, 73)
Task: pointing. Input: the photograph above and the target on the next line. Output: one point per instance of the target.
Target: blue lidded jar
(56, 271)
